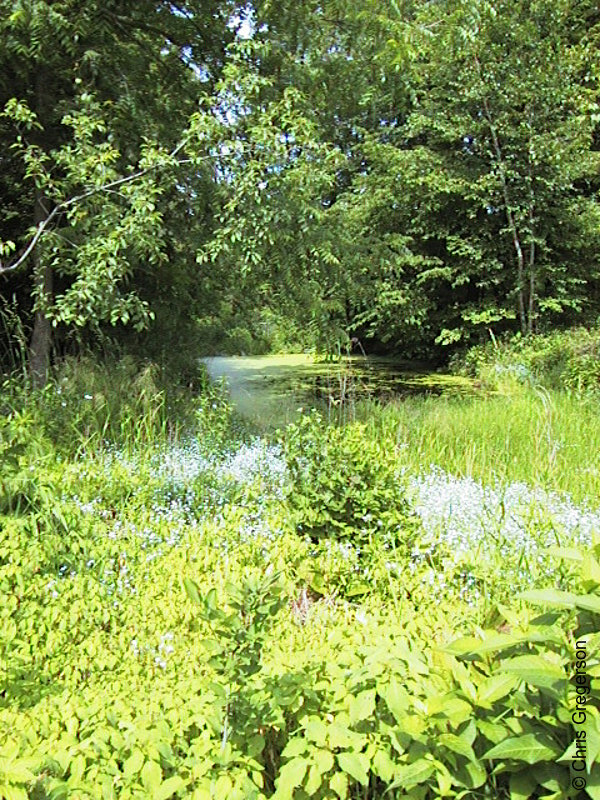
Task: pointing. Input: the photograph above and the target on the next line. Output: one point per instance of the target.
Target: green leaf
(494, 688)
(223, 787)
(471, 774)
(568, 553)
(593, 785)
(522, 785)
(192, 591)
(356, 765)
(592, 729)
(383, 766)
(470, 646)
(133, 764)
(314, 780)
(340, 736)
(397, 699)
(413, 774)
(295, 747)
(316, 731)
(457, 745)
(168, 788)
(151, 776)
(589, 602)
(291, 775)
(530, 748)
(536, 670)
(549, 597)
(362, 706)
(323, 760)
(339, 784)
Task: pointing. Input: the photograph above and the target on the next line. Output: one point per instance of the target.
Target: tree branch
(66, 204)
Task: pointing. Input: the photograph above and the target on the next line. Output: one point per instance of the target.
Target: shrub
(343, 484)
(558, 360)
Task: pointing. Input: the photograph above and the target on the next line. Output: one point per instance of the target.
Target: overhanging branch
(106, 187)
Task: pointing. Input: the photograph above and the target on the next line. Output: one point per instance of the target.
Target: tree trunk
(531, 309)
(532, 286)
(510, 216)
(41, 339)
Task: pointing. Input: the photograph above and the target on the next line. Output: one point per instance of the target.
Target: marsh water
(272, 388)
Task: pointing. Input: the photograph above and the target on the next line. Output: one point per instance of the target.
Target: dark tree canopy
(245, 176)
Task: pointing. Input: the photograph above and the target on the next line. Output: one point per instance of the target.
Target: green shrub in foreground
(491, 716)
(344, 484)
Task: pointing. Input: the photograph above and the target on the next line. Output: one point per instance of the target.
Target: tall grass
(87, 406)
(544, 438)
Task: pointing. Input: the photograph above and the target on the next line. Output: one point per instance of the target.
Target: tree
(490, 171)
(95, 94)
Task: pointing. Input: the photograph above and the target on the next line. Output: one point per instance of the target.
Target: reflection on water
(274, 387)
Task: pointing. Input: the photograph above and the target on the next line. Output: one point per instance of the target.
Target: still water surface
(270, 389)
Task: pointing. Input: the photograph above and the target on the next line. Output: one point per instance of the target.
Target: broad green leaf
(450, 707)
(295, 747)
(323, 760)
(362, 706)
(457, 745)
(568, 553)
(133, 764)
(413, 774)
(356, 765)
(383, 766)
(77, 768)
(529, 748)
(593, 785)
(357, 589)
(494, 688)
(522, 785)
(291, 775)
(471, 774)
(397, 699)
(314, 780)
(168, 788)
(223, 787)
(340, 736)
(316, 731)
(589, 602)
(471, 646)
(536, 670)
(592, 730)
(192, 591)
(339, 784)
(255, 745)
(549, 597)
(591, 570)
(151, 776)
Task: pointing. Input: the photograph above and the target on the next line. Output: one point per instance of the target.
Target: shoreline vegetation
(386, 602)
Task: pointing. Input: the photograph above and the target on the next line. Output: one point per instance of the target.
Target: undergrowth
(191, 611)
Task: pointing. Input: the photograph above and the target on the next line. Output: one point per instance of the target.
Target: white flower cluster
(467, 515)
(256, 461)
(161, 653)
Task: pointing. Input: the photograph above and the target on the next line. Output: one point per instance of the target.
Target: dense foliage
(169, 630)
(283, 175)
(360, 610)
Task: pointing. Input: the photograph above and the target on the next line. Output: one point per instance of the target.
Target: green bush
(343, 484)
(559, 360)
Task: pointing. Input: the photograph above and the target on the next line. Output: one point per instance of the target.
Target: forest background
(210, 176)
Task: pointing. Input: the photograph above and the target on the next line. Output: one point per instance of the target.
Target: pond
(271, 389)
